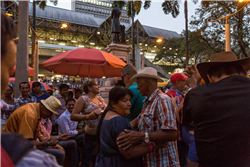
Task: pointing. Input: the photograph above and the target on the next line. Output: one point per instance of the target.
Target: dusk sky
(154, 16)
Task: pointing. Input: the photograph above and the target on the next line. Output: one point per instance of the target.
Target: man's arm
(187, 119)
(63, 122)
(134, 123)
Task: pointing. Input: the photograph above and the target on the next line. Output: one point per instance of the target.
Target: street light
(159, 40)
(64, 25)
(227, 26)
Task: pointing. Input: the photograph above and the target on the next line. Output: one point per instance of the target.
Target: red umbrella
(85, 63)
(13, 71)
(44, 85)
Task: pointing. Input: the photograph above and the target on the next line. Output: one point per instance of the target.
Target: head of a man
(64, 89)
(78, 93)
(146, 85)
(70, 104)
(128, 71)
(223, 65)
(8, 49)
(49, 107)
(24, 88)
(178, 81)
(36, 87)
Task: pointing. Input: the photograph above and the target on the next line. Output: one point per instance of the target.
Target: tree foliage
(213, 34)
(43, 3)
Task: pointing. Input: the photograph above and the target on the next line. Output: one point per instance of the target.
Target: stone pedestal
(120, 50)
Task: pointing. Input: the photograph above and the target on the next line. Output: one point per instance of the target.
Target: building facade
(99, 9)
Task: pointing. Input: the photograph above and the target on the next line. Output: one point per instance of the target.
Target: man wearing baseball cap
(177, 89)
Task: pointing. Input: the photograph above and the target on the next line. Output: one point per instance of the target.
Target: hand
(129, 139)
(92, 116)
(81, 131)
(194, 77)
(53, 142)
(173, 100)
(64, 136)
(98, 111)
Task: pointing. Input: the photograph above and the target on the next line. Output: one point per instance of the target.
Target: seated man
(65, 125)
(25, 121)
(37, 92)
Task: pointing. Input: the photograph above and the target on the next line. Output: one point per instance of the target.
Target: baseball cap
(177, 77)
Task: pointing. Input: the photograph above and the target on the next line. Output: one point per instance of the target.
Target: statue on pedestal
(115, 16)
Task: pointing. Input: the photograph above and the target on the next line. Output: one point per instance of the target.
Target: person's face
(123, 106)
(95, 88)
(126, 79)
(7, 63)
(8, 92)
(64, 92)
(142, 86)
(70, 106)
(37, 89)
(25, 89)
(45, 113)
(78, 94)
(181, 85)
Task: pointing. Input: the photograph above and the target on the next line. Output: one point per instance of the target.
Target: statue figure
(115, 16)
(123, 37)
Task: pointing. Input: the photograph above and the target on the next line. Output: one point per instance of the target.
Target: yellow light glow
(64, 25)
(159, 40)
(241, 0)
(9, 14)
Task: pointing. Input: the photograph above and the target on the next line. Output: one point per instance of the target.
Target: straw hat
(221, 59)
(147, 72)
(52, 104)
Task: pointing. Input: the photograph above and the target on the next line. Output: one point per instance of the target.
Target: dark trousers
(88, 155)
(59, 154)
(182, 151)
(70, 148)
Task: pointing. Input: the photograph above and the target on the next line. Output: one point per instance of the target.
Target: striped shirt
(157, 114)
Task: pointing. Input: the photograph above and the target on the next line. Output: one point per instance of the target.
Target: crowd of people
(202, 120)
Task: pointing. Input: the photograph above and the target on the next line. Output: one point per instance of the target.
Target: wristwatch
(146, 139)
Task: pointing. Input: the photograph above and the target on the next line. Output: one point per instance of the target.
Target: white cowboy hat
(52, 104)
(147, 72)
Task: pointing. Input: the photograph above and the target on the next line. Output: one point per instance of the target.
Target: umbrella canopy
(45, 87)
(161, 84)
(85, 62)
(13, 71)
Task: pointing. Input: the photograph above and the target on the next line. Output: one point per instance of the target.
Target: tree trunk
(132, 30)
(186, 35)
(33, 54)
(22, 60)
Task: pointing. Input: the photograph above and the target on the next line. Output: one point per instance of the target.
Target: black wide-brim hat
(221, 59)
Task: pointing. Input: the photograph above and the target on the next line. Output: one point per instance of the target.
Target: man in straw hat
(25, 120)
(156, 122)
(219, 111)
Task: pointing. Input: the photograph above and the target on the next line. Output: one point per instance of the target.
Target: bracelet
(150, 145)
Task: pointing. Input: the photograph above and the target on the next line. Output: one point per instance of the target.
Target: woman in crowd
(7, 105)
(91, 106)
(111, 126)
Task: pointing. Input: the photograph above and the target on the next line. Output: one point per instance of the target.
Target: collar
(152, 97)
(21, 97)
(135, 84)
(67, 112)
(177, 91)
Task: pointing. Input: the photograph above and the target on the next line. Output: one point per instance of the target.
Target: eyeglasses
(16, 40)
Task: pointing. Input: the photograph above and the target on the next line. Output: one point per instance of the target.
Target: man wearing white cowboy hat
(156, 123)
(25, 120)
(219, 111)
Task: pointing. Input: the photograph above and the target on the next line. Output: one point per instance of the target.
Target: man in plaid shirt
(156, 123)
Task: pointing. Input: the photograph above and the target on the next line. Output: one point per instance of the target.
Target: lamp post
(227, 26)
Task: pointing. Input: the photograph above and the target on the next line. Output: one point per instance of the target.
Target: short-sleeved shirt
(44, 96)
(109, 154)
(158, 114)
(25, 120)
(46, 128)
(21, 101)
(136, 103)
(6, 111)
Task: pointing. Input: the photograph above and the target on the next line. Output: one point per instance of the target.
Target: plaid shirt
(174, 92)
(21, 100)
(157, 114)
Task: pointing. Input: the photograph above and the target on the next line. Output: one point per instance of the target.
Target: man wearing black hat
(219, 111)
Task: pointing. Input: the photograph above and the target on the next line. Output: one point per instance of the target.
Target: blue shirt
(136, 103)
(39, 98)
(21, 100)
(65, 125)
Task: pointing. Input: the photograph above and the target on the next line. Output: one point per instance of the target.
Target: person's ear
(113, 105)
(210, 78)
